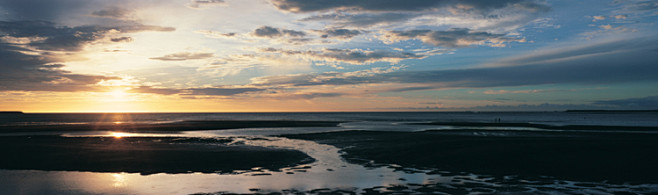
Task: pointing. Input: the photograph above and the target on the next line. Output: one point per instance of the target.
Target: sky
(327, 55)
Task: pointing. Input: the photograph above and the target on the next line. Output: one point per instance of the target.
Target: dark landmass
(542, 126)
(140, 155)
(585, 156)
(611, 111)
(175, 126)
(11, 112)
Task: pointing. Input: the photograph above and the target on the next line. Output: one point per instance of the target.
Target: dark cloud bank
(23, 72)
(30, 62)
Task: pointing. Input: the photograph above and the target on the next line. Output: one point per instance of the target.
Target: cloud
(136, 27)
(227, 91)
(220, 91)
(326, 78)
(642, 5)
(43, 9)
(453, 38)
(215, 34)
(601, 63)
(477, 15)
(122, 39)
(111, 12)
(271, 32)
(205, 3)
(598, 18)
(25, 72)
(182, 56)
(149, 89)
(32, 54)
(352, 56)
(621, 17)
(650, 102)
(46, 35)
(207, 91)
(496, 92)
(363, 20)
(301, 95)
(501, 16)
(300, 6)
(643, 103)
(338, 33)
(606, 27)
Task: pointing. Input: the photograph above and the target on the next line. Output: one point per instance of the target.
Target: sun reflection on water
(119, 180)
(120, 135)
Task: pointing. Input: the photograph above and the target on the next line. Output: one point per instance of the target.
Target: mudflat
(145, 155)
(585, 156)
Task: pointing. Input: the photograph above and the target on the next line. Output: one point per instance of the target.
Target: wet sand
(580, 156)
(141, 155)
(542, 126)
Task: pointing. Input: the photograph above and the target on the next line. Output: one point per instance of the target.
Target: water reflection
(119, 180)
(329, 171)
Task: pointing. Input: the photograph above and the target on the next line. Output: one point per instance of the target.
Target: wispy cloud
(596, 18)
(339, 33)
(215, 34)
(213, 91)
(155, 90)
(456, 37)
(352, 56)
(182, 56)
(496, 92)
(206, 91)
(112, 12)
(204, 3)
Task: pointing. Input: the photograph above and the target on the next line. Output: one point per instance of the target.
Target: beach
(347, 153)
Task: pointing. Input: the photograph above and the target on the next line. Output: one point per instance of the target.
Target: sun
(118, 93)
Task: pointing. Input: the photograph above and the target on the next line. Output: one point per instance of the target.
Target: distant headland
(611, 111)
(11, 112)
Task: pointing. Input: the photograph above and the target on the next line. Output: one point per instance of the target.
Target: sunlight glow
(119, 135)
(118, 93)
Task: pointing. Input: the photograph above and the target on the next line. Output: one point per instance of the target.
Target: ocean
(595, 152)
